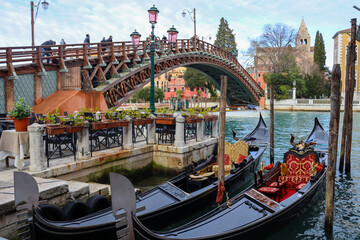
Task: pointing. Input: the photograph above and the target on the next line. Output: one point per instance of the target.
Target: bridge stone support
(38, 89)
(9, 93)
(152, 131)
(179, 131)
(215, 132)
(36, 147)
(83, 143)
(200, 131)
(127, 134)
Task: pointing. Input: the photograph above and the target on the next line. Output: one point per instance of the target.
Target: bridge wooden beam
(10, 68)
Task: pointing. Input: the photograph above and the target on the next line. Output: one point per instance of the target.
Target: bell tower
(303, 37)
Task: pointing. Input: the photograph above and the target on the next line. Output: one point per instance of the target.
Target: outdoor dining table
(16, 145)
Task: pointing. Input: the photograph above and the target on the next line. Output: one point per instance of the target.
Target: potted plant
(74, 123)
(20, 113)
(54, 127)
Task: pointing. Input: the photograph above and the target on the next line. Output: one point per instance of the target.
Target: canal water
(309, 224)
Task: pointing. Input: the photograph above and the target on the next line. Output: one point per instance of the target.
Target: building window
(259, 74)
(174, 89)
(157, 83)
(168, 89)
(183, 88)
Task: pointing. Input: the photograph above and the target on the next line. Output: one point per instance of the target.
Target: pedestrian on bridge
(46, 50)
(87, 40)
(103, 44)
(109, 41)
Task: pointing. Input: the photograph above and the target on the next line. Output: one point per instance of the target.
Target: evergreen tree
(225, 38)
(323, 53)
(194, 79)
(319, 51)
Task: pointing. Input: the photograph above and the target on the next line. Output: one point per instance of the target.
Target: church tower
(303, 37)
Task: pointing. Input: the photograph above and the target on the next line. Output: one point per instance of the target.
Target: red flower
(268, 167)
(319, 167)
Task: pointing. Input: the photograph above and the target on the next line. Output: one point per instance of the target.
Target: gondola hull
(164, 205)
(250, 214)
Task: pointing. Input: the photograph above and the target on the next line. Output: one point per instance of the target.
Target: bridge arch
(242, 88)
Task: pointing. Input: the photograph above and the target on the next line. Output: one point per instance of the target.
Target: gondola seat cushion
(226, 159)
(299, 168)
(241, 158)
(300, 186)
(275, 184)
(271, 190)
(215, 169)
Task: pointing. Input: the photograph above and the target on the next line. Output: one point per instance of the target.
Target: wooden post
(271, 123)
(222, 116)
(333, 142)
(349, 95)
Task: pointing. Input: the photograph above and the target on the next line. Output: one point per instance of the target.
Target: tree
(273, 46)
(194, 79)
(144, 93)
(225, 38)
(319, 51)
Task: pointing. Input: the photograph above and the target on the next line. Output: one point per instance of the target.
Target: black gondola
(252, 213)
(169, 202)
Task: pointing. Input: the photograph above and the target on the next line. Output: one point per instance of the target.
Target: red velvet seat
(281, 185)
(262, 187)
(299, 167)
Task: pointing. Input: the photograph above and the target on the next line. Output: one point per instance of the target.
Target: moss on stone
(134, 175)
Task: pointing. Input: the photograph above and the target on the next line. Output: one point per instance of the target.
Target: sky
(73, 19)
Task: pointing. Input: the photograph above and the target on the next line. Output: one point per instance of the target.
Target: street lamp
(153, 14)
(172, 36)
(151, 44)
(45, 6)
(193, 19)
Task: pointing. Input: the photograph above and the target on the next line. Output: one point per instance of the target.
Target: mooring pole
(222, 116)
(351, 97)
(332, 149)
(345, 154)
(272, 123)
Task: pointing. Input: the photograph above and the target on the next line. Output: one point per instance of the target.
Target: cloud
(71, 19)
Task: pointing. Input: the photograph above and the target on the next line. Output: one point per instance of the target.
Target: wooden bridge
(118, 70)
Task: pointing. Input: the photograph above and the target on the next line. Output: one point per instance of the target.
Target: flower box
(210, 118)
(98, 125)
(112, 124)
(122, 123)
(74, 129)
(165, 120)
(192, 120)
(55, 129)
(142, 121)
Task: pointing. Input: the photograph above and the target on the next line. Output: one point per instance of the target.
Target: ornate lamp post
(45, 6)
(172, 36)
(153, 14)
(193, 19)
